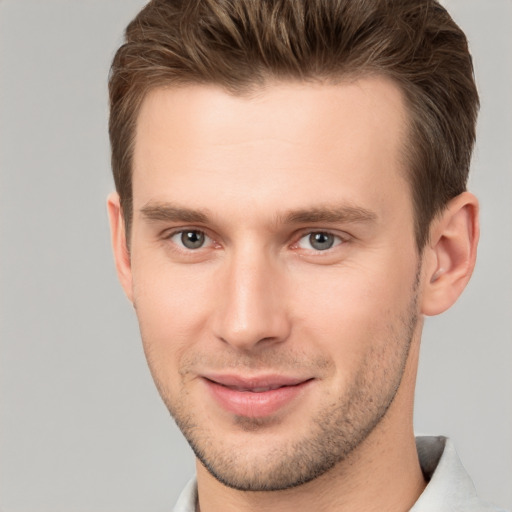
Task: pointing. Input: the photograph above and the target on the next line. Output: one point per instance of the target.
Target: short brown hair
(241, 44)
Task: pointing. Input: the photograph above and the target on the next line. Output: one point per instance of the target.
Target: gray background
(81, 425)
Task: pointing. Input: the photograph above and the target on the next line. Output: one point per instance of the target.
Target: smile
(255, 398)
(254, 389)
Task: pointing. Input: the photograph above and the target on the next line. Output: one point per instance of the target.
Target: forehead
(208, 111)
(319, 138)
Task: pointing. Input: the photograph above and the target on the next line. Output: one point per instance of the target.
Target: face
(274, 271)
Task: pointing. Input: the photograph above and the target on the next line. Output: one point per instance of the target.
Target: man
(291, 202)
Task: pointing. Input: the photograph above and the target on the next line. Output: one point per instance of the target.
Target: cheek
(171, 308)
(348, 310)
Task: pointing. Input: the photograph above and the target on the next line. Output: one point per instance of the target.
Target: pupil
(321, 241)
(192, 239)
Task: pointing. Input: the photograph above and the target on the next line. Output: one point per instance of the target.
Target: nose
(251, 311)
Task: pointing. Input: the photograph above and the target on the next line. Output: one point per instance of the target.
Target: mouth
(255, 397)
(254, 389)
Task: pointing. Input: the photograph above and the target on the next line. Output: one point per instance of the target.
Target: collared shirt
(449, 487)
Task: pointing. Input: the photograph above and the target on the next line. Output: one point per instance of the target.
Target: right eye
(190, 239)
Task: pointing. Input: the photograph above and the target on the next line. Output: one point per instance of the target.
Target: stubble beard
(340, 427)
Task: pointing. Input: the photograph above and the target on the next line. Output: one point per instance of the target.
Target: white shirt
(449, 487)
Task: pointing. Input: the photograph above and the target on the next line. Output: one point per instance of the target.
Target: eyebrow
(330, 215)
(167, 212)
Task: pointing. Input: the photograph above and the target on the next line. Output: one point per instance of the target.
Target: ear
(119, 245)
(450, 255)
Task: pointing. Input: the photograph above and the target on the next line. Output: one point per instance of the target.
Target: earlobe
(119, 245)
(450, 255)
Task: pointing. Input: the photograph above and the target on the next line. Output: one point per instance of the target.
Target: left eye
(319, 241)
(190, 239)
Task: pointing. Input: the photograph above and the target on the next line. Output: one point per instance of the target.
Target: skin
(257, 175)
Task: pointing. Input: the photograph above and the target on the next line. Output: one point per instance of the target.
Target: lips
(255, 397)
(254, 389)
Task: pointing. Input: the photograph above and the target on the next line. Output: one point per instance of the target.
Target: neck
(382, 474)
